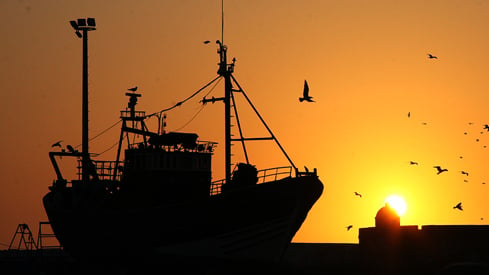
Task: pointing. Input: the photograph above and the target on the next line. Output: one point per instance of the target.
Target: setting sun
(398, 203)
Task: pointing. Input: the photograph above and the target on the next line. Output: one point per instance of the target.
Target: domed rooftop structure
(387, 218)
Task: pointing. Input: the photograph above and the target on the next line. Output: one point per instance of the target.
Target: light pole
(84, 25)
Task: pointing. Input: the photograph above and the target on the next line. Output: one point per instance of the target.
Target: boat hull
(255, 223)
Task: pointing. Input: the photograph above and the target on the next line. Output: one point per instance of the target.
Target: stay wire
(101, 133)
(201, 108)
(188, 122)
(183, 101)
(156, 113)
(108, 149)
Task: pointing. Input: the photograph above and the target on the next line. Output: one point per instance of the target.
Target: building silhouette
(389, 248)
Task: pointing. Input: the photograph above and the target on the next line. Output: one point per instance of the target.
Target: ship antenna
(226, 71)
(222, 21)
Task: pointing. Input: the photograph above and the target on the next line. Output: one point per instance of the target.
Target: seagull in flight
(305, 93)
(486, 127)
(358, 194)
(57, 144)
(133, 89)
(458, 206)
(349, 227)
(439, 169)
(430, 56)
(464, 173)
(413, 162)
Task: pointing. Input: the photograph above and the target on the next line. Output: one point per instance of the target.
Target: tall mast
(84, 25)
(226, 71)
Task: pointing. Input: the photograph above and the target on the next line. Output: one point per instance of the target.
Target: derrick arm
(61, 154)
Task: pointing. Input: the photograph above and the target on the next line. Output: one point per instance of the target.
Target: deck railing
(265, 175)
(137, 114)
(104, 169)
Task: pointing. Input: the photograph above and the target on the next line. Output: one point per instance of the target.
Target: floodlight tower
(84, 25)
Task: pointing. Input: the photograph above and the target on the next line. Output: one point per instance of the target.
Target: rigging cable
(200, 110)
(101, 133)
(156, 113)
(112, 146)
(183, 101)
(188, 122)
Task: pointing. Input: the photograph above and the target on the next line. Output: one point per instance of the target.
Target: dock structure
(395, 249)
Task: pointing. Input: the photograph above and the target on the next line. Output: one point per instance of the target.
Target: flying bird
(413, 162)
(486, 127)
(133, 89)
(409, 114)
(57, 144)
(464, 173)
(439, 169)
(358, 194)
(430, 56)
(458, 206)
(305, 93)
(349, 227)
(207, 42)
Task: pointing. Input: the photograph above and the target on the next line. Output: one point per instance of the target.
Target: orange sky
(365, 61)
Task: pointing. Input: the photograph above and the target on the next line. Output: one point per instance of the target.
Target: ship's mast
(84, 25)
(226, 72)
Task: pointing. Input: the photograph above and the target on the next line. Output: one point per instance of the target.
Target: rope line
(188, 122)
(160, 112)
(108, 149)
(202, 107)
(183, 101)
(101, 133)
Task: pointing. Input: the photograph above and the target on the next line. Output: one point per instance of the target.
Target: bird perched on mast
(305, 93)
(133, 89)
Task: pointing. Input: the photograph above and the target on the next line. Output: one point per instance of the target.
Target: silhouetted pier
(387, 248)
(442, 249)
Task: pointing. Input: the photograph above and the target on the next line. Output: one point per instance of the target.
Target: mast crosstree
(226, 71)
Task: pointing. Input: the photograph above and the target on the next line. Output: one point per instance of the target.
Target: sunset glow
(384, 113)
(397, 203)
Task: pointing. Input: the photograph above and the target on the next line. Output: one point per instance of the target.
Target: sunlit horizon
(366, 64)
